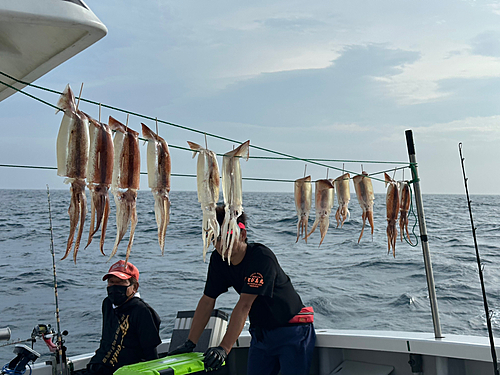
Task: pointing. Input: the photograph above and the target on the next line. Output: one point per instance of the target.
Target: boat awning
(36, 36)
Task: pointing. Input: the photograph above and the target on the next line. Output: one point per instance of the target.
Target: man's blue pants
(286, 349)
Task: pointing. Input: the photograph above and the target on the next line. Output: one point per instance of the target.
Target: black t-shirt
(130, 334)
(258, 273)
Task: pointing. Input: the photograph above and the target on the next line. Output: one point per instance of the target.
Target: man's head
(123, 282)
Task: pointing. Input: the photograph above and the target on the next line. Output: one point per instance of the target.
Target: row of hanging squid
(398, 200)
(89, 155)
(87, 150)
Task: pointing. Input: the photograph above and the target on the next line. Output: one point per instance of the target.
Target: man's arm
(237, 321)
(201, 317)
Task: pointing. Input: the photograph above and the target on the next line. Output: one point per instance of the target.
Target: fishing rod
(485, 301)
(61, 349)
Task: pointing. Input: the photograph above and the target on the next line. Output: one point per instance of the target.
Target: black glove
(187, 347)
(214, 358)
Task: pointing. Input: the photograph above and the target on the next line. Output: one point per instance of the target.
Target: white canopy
(36, 36)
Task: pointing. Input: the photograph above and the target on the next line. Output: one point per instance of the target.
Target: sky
(336, 80)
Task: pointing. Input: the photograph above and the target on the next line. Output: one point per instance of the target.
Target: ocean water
(350, 285)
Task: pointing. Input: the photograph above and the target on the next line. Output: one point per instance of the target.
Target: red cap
(118, 269)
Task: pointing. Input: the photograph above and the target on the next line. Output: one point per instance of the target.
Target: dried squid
(392, 207)
(99, 176)
(208, 181)
(125, 182)
(405, 200)
(72, 158)
(343, 196)
(324, 202)
(232, 193)
(159, 165)
(364, 192)
(303, 198)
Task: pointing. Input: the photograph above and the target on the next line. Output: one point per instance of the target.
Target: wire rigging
(282, 156)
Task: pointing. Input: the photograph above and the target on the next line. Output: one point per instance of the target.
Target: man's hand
(187, 347)
(214, 358)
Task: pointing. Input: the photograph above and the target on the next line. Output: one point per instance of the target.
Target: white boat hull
(377, 350)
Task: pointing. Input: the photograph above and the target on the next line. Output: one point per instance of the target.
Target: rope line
(412, 211)
(283, 155)
(145, 173)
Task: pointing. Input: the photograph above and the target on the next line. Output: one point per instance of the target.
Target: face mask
(117, 294)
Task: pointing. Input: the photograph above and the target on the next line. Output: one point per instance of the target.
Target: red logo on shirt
(255, 280)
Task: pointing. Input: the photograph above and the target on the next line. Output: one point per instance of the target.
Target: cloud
(347, 91)
(486, 44)
(471, 129)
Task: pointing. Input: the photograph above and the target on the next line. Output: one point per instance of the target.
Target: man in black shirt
(281, 339)
(130, 327)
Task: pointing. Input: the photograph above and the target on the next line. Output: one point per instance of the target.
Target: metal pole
(423, 234)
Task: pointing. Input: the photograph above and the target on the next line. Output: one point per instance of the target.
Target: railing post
(423, 234)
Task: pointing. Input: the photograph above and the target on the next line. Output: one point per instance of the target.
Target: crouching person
(130, 327)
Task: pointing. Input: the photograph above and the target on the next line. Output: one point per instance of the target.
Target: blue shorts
(286, 349)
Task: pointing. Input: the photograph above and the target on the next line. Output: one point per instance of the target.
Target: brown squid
(324, 197)
(125, 182)
(303, 198)
(392, 207)
(364, 192)
(405, 200)
(159, 165)
(72, 158)
(100, 173)
(232, 191)
(343, 197)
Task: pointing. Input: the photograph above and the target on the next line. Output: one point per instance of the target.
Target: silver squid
(364, 193)
(324, 197)
(343, 196)
(208, 182)
(392, 208)
(125, 181)
(303, 201)
(72, 158)
(99, 176)
(159, 166)
(232, 193)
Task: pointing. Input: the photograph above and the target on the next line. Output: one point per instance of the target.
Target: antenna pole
(61, 350)
(485, 301)
(423, 234)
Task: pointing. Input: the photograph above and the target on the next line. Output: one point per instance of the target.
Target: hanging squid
(343, 197)
(99, 176)
(392, 207)
(405, 200)
(72, 158)
(324, 202)
(208, 181)
(232, 193)
(125, 182)
(159, 165)
(364, 192)
(303, 195)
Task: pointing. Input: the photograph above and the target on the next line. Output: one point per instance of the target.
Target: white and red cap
(119, 270)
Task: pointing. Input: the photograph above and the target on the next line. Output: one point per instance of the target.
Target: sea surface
(350, 285)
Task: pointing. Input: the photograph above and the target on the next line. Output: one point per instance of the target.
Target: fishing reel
(48, 335)
(17, 366)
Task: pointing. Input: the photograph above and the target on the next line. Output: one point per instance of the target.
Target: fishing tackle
(60, 351)
(479, 265)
